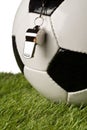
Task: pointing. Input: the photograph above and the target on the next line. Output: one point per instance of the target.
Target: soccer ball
(50, 46)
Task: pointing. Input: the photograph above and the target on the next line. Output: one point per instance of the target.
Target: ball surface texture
(50, 46)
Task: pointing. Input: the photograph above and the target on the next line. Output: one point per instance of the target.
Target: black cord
(43, 6)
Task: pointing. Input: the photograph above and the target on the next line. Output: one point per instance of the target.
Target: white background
(8, 10)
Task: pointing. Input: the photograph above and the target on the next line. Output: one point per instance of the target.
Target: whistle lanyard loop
(40, 20)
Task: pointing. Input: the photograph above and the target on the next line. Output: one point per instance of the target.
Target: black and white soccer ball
(58, 67)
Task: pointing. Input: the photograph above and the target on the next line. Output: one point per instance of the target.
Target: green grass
(23, 108)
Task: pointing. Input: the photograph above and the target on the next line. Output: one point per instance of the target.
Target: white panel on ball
(69, 23)
(42, 82)
(79, 97)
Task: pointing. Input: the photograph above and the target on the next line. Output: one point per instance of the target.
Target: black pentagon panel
(50, 6)
(69, 70)
(17, 56)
